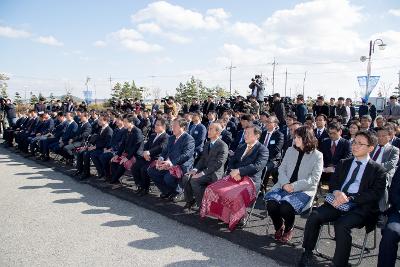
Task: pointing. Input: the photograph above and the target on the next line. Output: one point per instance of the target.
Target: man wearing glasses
(358, 184)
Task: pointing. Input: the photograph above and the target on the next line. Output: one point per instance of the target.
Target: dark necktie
(333, 148)
(318, 133)
(266, 140)
(376, 155)
(353, 177)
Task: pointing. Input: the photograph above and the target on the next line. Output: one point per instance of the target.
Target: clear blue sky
(51, 46)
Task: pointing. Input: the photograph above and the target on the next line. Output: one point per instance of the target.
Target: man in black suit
(332, 108)
(209, 105)
(320, 107)
(290, 139)
(226, 135)
(245, 121)
(84, 131)
(278, 109)
(358, 182)
(334, 149)
(131, 146)
(195, 106)
(320, 131)
(152, 150)
(273, 139)
(101, 142)
(250, 158)
(391, 234)
(208, 169)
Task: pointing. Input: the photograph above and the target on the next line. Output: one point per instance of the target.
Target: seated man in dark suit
(69, 133)
(29, 130)
(320, 131)
(152, 150)
(273, 139)
(53, 137)
(9, 133)
(250, 158)
(199, 132)
(357, 185)
(290, 138)
(46, 127)
(84, 131)
(226, 135)
(391, 233)
(334, 149)
(102, 161)
(101, 142)
(245, 121)
(178, 154)
(131, 146)
(208, 169)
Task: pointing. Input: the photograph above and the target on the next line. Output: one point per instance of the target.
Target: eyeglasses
(353, 143)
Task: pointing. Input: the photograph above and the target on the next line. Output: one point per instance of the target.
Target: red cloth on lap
(227, 199)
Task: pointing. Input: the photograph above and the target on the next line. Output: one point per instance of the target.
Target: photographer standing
(257, 90)
(10, 113)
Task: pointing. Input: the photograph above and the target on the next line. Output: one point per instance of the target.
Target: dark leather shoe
(306, 259)
(164, 196)
(143, 192)
(189, 205)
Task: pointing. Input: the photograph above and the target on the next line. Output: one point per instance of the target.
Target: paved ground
(48, 219)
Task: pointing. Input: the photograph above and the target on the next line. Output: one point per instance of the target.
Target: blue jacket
(198, 132)
(70, 132)
(116, 139)
(60, 129)
(180, 153)
(301, 113)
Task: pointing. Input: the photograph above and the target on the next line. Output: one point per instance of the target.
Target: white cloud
(149, 27)
(175, 16)
(48, 40)
(129, 34)
(394, 12)
(133, 40)
(176, 38)
(10, 32)
(100, 43)
(154, 28)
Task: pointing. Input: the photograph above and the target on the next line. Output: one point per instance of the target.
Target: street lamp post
(381, 46)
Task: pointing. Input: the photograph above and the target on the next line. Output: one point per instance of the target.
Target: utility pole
(273, 75)
(285, 81)
(230, 78)
(110, 79)
(304, 81)
(398, 86)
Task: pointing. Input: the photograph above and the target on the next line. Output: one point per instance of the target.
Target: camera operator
(258, 90)
(10, 112)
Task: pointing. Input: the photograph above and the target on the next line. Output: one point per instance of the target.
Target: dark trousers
(281, 213)
(195, 187)
(95, 156)
(117, 170)
(8, 136)
(83, 162)
(343, 223)
(165, 182)
(390, 241)
(139, 172)
(45, 144)
(105, 163)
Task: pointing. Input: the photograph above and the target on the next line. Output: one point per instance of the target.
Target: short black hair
(182, 122)
(371, 138)
(335, 126)
(246, 117)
